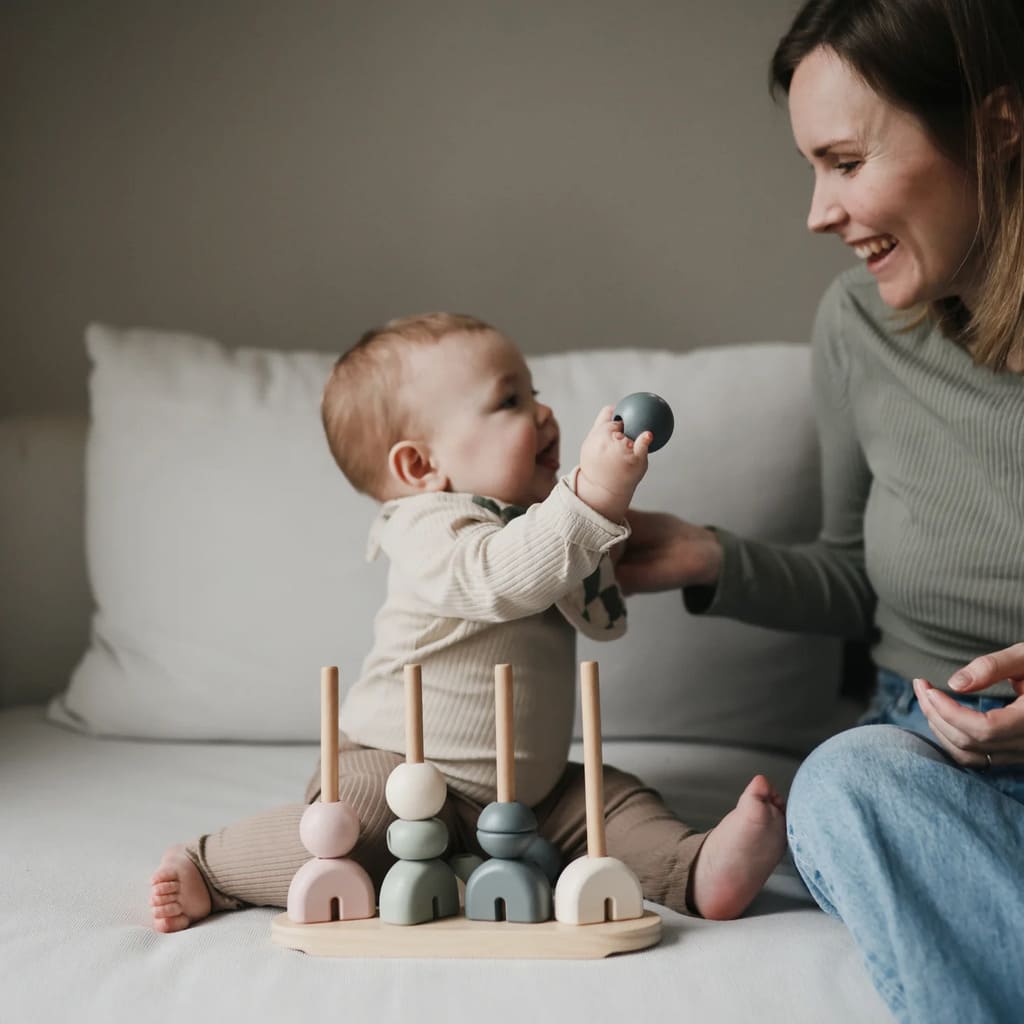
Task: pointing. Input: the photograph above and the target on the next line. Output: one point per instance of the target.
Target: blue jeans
(921, 859)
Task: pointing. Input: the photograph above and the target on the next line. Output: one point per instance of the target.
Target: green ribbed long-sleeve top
(923, 500)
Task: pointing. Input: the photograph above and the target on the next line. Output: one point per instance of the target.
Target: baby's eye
(513, 400)
(845, 167)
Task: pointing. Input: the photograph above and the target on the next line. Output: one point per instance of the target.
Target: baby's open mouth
(548, 455)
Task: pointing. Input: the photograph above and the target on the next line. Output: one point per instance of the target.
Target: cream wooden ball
(415, 791)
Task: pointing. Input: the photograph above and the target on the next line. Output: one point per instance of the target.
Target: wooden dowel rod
(593, 769)
(329, 734)
(413, 714)
(503, 728)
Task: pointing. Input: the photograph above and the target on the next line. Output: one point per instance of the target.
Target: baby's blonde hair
(361, 408)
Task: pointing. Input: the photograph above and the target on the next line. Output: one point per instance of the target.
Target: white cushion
(225, 550)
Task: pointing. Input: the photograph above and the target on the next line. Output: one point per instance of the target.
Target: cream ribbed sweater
(473, 584)
(923, 500)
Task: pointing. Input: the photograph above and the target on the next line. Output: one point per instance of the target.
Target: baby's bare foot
(179, 896)
(740, 853)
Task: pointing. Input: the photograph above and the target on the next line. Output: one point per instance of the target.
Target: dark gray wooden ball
(506, 829)
(642, 411)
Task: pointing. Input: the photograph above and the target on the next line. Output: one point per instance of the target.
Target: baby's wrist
(611, 504)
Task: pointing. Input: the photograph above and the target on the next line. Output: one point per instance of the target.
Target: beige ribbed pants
(251, 863)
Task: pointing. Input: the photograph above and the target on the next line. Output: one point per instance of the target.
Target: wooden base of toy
(458, 937)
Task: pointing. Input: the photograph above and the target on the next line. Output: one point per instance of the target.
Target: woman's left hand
(979, 739)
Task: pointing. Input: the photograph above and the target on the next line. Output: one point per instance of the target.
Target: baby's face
(488, 434)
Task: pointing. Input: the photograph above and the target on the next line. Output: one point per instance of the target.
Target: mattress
(85, 820)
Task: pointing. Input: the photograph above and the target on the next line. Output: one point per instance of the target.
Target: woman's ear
(1003, 121)
(412, 467)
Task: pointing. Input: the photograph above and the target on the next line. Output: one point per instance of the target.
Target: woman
(910, 113)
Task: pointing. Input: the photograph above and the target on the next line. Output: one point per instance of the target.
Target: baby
(493, 558)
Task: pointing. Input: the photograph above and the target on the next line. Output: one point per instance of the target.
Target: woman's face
(882, 186)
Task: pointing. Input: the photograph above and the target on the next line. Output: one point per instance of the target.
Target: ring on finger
(988, 762)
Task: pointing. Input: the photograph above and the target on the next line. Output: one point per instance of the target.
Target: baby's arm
(596, 606)
(611, 466)
(462, 561)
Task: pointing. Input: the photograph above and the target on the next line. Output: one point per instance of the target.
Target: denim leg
(922, 862)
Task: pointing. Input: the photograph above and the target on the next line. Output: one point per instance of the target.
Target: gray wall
(285, 174)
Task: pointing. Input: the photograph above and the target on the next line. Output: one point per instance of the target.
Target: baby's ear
(412, 467)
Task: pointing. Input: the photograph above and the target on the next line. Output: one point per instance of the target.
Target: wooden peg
(415, 789)
(330, 886)
(595, 888)
(593, 773)
(504, 730)
(413, 714)
(329, 734)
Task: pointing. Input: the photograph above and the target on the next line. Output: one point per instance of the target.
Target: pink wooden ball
(329, 830)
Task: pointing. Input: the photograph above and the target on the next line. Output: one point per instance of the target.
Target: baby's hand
(611, 465)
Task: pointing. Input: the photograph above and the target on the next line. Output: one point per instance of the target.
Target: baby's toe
(171, 924)
(166, 910)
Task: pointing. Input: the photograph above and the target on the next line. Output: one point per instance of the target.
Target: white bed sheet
(84, 821)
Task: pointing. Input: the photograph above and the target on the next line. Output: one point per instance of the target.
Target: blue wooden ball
(642, 411)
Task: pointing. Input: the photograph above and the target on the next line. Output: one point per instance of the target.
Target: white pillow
(226, 551)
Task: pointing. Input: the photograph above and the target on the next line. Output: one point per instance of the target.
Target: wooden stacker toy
(597, 900)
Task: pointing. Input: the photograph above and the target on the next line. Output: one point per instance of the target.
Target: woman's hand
(664, 552)
(977, 739)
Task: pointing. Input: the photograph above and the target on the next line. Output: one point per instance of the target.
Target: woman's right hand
(664, 552)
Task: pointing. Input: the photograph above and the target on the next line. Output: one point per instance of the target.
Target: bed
(180, 564)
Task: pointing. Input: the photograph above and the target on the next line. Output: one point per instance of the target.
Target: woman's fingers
(989, 669)
(999, 729)
(970, 735)
(954, 741)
